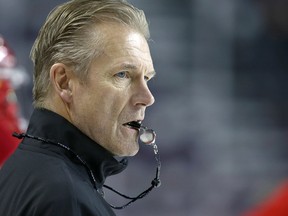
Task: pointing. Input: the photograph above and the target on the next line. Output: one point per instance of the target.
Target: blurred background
(221, 111)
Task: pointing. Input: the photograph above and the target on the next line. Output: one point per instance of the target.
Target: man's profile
(92, 65)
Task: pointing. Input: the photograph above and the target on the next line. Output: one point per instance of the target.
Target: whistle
(146, 135)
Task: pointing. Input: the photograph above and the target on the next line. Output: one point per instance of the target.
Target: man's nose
(143, 95)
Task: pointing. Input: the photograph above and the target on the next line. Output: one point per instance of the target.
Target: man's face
(116, 91)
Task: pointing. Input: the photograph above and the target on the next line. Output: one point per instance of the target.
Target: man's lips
(133, 124)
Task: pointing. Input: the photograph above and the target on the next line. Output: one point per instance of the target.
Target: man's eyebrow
(134, 67)
(129, 66)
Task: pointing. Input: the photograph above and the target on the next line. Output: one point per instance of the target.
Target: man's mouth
(133, 124)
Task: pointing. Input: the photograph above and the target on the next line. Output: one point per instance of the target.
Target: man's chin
(129, 151)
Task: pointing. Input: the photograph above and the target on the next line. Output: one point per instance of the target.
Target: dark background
(221, 101)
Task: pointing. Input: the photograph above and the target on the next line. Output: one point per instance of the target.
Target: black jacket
(44, 179)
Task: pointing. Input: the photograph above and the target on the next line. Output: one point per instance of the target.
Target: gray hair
(70, 36)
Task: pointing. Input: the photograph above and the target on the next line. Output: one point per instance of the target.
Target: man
(92, 64)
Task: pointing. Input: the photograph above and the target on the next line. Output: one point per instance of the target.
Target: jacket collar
(49, 125)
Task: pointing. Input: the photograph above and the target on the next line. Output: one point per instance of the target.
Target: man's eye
(122, 74)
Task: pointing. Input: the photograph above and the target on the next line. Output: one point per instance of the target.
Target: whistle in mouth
(147, 136)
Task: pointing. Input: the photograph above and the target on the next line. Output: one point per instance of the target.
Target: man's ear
(60, 77)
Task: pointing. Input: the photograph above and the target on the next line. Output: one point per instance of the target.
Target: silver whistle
(146, 135)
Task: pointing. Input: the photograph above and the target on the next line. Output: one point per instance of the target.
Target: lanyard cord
(155, 182)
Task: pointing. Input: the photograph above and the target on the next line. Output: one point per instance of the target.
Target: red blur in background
(9, 122)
